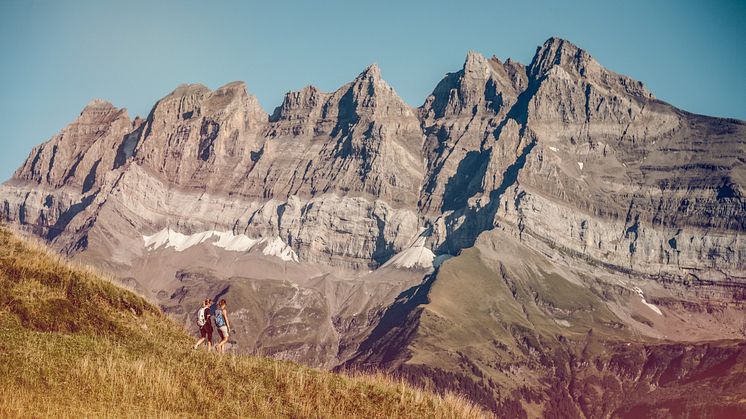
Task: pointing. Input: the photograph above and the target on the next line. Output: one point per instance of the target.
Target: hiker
(223, 324)
(204, 322)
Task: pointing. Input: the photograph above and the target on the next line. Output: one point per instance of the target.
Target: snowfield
(417, 255)
(168, 238)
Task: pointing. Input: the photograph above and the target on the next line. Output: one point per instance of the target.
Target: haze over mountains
(549, 238)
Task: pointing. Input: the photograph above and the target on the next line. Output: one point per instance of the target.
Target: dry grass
(72, 344)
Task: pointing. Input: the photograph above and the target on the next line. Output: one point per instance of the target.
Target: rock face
(579, 213)
(196, 138)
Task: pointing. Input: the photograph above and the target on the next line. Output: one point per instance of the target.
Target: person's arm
(225, 316)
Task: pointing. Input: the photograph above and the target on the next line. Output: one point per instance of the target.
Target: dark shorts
(206, 332)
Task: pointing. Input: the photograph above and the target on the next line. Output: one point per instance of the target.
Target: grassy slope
(73, 344)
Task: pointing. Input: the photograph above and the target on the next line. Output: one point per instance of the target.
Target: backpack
(219, 320)
(201, 317)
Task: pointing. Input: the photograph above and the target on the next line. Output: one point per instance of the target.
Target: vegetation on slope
(74, 344)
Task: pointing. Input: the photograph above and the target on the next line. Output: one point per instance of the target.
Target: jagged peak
(559, 42)
(513, 63)
(371, 77)
(561, 56)
(373, 71)
(559, 52)
(186, 89)
(561, 45)
(98, 107)
(476, 64)
(294, 98)
(234, 86)
(306, 91)
(369, 83)
(310, 89)
(233, 94)
(307, 97)
(99, 103)
(479, 66)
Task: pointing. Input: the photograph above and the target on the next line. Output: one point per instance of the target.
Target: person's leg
(224, 335)
(209, 340)
(202, 335)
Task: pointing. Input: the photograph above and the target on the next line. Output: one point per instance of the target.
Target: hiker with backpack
(204, 322)
(223, 325)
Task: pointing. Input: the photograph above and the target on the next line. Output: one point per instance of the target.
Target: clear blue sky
(57, 55)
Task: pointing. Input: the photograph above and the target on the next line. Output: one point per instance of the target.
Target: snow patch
(651, 306)
(239, 243)
(223, 239)
(553, 149)
(412, 257)
(581, 165)
(277, 247)
(417, 255)
(178, 241)
(158, 239)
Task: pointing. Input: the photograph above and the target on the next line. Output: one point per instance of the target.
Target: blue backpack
(219, 320)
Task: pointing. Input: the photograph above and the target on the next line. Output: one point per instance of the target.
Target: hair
(222, 302)
(206, 302)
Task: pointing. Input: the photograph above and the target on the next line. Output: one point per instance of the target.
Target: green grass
(73, 344)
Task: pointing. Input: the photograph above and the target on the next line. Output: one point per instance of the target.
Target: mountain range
(549, 239)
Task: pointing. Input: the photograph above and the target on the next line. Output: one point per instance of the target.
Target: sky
(58, 55)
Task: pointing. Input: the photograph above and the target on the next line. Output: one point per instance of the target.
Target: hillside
(72, 344)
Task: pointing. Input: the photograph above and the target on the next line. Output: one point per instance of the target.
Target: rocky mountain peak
(187, 89)
(73, 156)
(97, 104)
(98, 111)
(483, 86)
(233, 91)
(558, 52)
(234, 86)
(234, 97)
(298, 103)
(190, 101)
(560, 58)
(369, 82)
(369, 93)
(372, 72)
(476, 65)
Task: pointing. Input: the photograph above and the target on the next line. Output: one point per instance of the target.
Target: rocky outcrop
(202, 139)
(63, 176)
(458, 118)
(348, 141)
(83, 151)
(589, 162)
